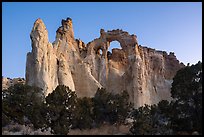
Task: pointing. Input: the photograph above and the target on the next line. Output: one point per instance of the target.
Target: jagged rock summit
(145, 73)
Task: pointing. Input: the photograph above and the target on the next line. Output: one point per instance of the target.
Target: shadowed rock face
(144, 72)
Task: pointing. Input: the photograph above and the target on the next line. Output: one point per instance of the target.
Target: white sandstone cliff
(145, 73)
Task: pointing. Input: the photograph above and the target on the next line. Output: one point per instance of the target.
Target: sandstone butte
(145, 73)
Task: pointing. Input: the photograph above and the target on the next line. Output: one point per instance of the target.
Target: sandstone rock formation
(7, 82)
(145, 73)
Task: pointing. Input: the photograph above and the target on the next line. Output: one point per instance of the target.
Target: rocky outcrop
(145, 73)
(59, 63)
(7, 82)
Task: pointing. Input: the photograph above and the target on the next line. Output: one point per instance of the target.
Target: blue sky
(172, 27)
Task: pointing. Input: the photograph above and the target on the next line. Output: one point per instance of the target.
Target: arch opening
(114, 44)
(99, 52)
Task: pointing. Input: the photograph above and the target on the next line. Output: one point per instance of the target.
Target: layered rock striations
(145, 73)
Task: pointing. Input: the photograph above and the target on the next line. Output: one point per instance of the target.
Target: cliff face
(146, 74)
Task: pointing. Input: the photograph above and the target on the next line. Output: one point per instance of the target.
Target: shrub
(60, 105)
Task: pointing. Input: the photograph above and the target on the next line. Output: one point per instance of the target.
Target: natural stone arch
(127, 42)
(122, 37)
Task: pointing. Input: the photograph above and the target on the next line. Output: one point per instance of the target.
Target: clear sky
(172, 27)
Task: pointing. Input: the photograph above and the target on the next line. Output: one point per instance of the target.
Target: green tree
(83, 114)
(60, 107)
(112, 108)
(152, 120)
(124, 107)
(161, 114)
(118, 107)
(36, 110)
(15, 102)
(142, 124)
(187, 104)
(100, 108)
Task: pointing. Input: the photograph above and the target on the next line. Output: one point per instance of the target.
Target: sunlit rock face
(8, 82)
(145, 73)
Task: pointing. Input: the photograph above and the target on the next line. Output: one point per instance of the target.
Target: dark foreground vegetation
(62, 110)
